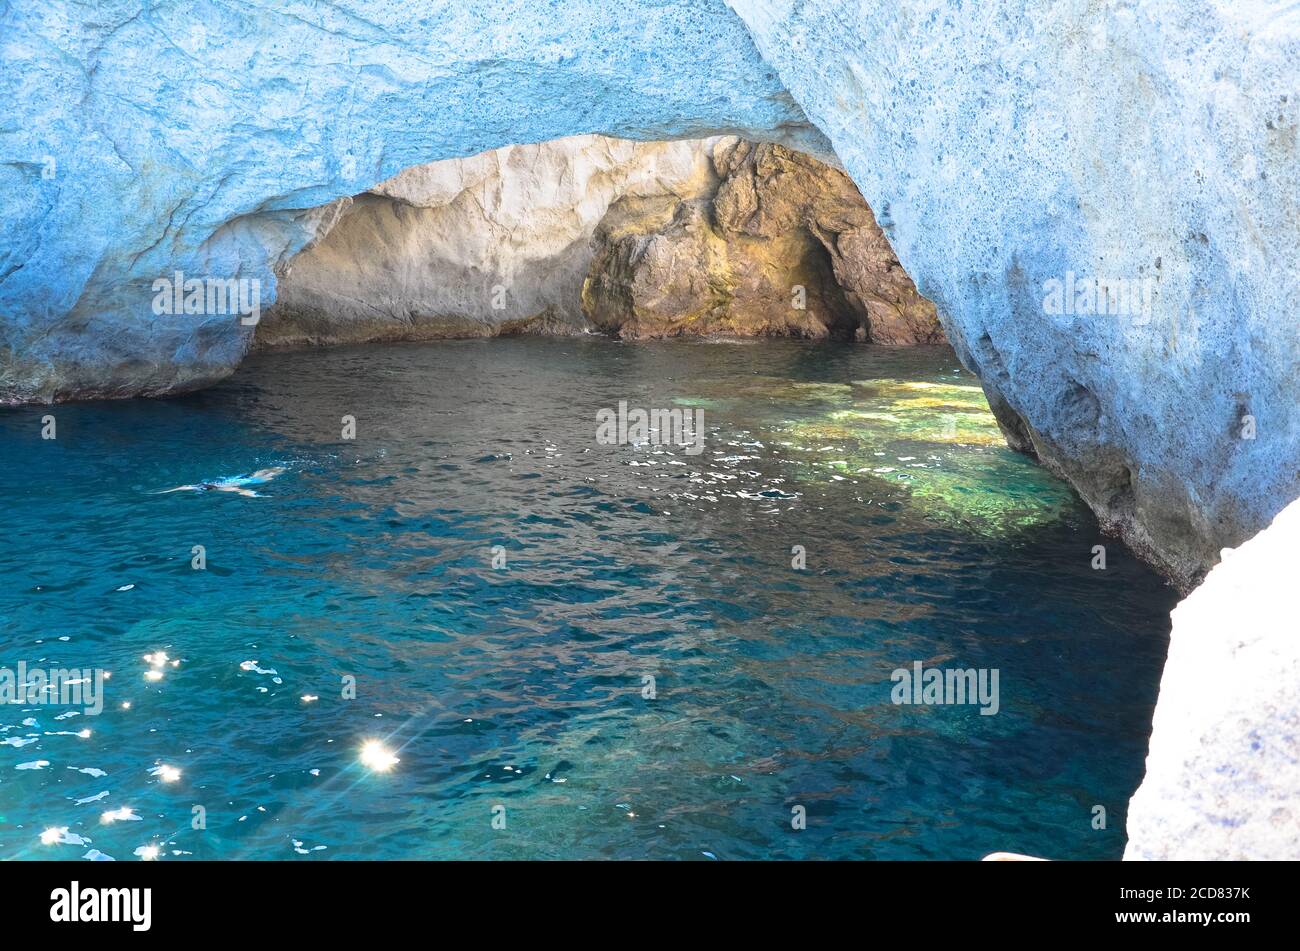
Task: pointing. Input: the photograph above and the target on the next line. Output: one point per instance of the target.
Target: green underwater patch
(994, 492)
(932, 445)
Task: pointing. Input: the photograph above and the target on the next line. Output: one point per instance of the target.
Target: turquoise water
(522, 686)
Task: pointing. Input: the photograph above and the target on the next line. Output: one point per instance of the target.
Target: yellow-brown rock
(786, 246)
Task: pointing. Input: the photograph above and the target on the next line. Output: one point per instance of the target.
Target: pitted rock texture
(785, 246)
(141, 139)
(1007, 144)
(494, 244)
(1223, 770)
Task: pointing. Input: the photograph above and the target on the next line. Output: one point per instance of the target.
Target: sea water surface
(572, 650)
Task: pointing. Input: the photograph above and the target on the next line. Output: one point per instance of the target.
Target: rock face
(1223, 771)
(696, 236)
(211, 139)
(495, 243)
(1007, 145)
(784, 246)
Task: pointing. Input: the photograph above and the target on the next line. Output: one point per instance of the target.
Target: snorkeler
(238, 484)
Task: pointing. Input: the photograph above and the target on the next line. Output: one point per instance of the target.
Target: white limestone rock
(1006, 143)
(1223, 772)
(499, 242)
(141, 139)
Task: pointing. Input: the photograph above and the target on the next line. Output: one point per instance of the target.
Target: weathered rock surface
(143, 139)
(785, 246)
(1007, 144)
(502, 243)
(492, 244)
(1223, 772)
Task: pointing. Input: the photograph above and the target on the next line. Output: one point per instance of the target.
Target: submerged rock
(1223, 772)
(784, 246)
(933, 446)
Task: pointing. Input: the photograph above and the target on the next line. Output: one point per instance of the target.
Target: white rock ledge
(1223, 771)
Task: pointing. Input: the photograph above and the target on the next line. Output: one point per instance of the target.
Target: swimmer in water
(237, 484)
